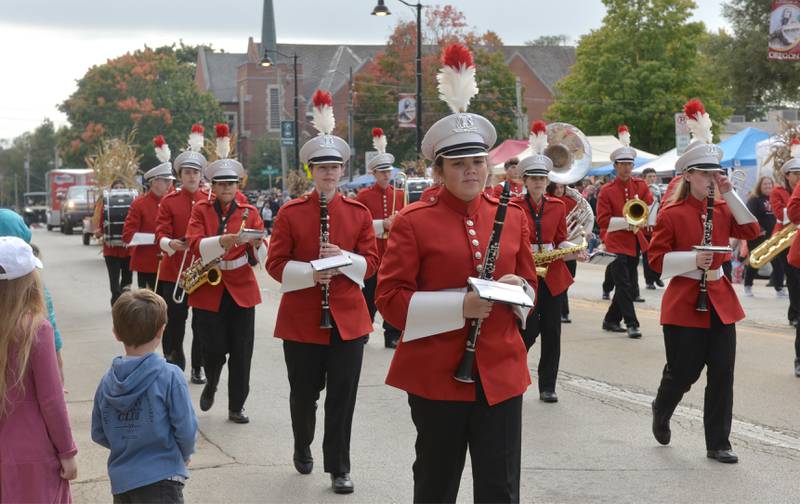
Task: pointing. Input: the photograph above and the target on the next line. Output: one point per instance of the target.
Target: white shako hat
(325, 147)
(460, 134)
(164, 168)
(191, 157)
(224, 169)
(383, 161)
(793, 164)
(701, 154)
(538, 163)
(626, 153)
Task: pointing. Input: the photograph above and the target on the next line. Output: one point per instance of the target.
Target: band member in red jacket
(779, 198)
(792, 170)
(383, 202)
(323, 318)
(514, 177)
(548, 231)
(224, 314)
(140, 224)
(694, 338)
(622, 239)
(172, 221)
(434, 247)
(116, 255)
(559, 191)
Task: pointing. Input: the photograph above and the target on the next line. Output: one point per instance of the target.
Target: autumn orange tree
(393, 71)
(150, 90)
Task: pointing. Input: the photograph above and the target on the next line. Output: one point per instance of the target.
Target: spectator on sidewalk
(759, 206)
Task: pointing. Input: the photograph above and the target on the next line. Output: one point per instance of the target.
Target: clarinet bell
(464, 371)
(325, 321)
(702, 302)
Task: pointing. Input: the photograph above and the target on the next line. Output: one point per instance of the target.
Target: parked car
(415, 186)
(78, 203)
(35, 207)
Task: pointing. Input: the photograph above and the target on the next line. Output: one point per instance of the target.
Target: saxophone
(776, 244)
(543, 258)
(199, 274)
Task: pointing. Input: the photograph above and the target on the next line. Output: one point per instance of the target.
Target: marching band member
(172, 221)
(621, 238)
(559, 191)
(323, 318)
(140, 224)
(514, 177)
(117, 257)
(434, 247)
(548, 230)
(224, 314)
(383, 202)
(699, 308)
(779, 198)
(792, 168)
(651, 278)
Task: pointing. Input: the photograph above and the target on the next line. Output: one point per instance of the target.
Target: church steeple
(268, 37)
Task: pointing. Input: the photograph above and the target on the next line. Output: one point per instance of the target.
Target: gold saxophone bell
(543, 259)
(767, 251)
(636, 212)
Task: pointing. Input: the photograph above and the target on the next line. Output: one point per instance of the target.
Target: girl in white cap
(36, 444)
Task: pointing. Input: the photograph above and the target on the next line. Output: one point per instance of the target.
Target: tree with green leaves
(639, 68)
(549, 41)
(39, 147)
(148, 89)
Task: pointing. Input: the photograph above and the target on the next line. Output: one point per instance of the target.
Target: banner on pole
(784, 30)
(407, 111)
(682, 133)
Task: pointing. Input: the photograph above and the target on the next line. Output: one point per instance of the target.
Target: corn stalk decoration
(116, 159)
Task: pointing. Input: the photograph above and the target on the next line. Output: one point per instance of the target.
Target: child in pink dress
(37, 452)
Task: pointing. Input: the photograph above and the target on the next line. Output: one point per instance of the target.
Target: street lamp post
(267, 62)
(382, 10)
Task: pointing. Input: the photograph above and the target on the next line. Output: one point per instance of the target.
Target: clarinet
(464, 372)
(324, 236)
(708, 228)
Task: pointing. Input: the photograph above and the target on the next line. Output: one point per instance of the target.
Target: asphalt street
(595, 445)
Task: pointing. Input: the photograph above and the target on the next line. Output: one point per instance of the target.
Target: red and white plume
(624, 135)
(196, 139)
(456, 78)
(322, 112)
(162, 149)
(795, 148)
(379, 140)
(698, 121)
(223, 140)
(538, 138)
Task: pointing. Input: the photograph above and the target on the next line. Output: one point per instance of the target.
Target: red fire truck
(58, 182)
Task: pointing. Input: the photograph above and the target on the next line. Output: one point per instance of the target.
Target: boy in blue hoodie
(142, 408)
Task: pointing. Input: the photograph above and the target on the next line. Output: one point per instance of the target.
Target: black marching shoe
(651, 287)
(724, 456)
(303, 461)
(634, 332)
(341, 483)
(638, 299)
(606, 296)
(238, 417)
(659, 283)
(548, 397)
(797, 368)
(565, 319)
(793, 322)
(198, 378)
(661, 429)
(390, 342)
(612, 326)
(207, 397)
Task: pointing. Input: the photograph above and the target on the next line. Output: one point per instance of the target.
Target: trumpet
(396, 186)
(636, 212)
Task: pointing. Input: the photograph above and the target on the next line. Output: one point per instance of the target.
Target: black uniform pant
(337, 368)
(228, 331)
(608, 280)
(390, 333)
(793, 286)
(572, 266)
(445, 429)
(689, 349)
(650, 276)
(623, 271)
(146, 280)
(119, 275)
(172, 343)
(544, 320)
(750, 273)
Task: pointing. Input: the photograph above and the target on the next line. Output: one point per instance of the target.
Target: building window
(233, 124)
(274, 109)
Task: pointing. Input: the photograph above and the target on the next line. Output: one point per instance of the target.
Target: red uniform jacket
(613, 196)
(679, 227)
(554, 230)
(793, 211)
(379, 203)
(430, 193)
(568, 202)
(171, 223)
(779, 200)
(241, 282)
(431, 248)
(295, 237)
(108, 250)
(142, 219)
(516, 189)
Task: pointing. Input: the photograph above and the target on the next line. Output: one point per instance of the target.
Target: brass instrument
(738, 178)
(199, 274)
(543, 258)
(776, 244)
(580, 219)
(175, 297)
(396, 186)
(636, 212)
(570, 151)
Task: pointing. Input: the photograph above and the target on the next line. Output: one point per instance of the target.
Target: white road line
(759, 433)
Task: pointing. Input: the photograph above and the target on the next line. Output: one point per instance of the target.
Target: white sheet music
(333, 262)
(601, 257)
(500, 292)
(142, 239)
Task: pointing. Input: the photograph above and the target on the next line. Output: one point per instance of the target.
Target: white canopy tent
(663, 164)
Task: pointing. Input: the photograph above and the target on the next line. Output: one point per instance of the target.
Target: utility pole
(16, 192)
(522, 123)
(28, 171)
(350, 125)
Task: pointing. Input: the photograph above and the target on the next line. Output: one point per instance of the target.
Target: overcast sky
(48, 44)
